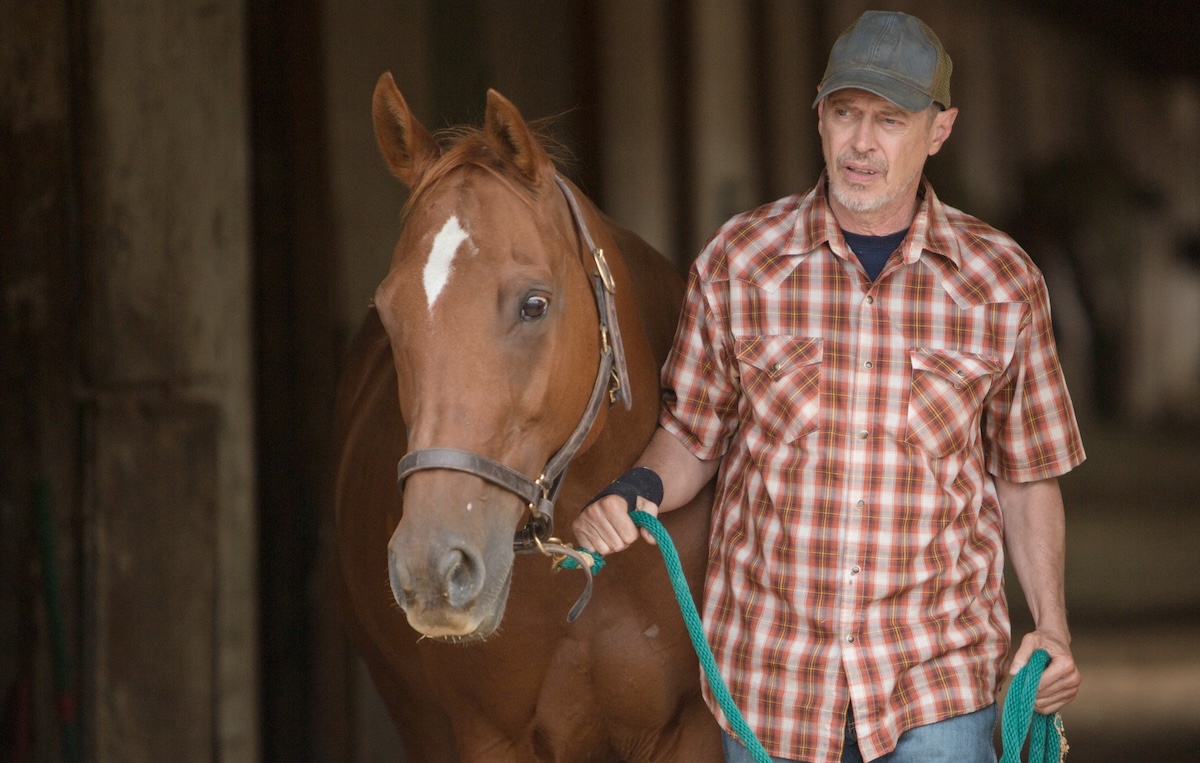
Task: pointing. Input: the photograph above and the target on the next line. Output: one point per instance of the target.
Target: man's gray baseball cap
(893, 55)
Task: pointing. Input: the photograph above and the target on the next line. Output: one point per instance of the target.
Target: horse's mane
(468, 146)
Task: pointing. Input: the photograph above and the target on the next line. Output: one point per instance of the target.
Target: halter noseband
(612, 381)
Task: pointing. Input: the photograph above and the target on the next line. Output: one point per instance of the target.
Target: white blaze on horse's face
(440, 264)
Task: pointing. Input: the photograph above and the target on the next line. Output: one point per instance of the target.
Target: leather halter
(612, 381)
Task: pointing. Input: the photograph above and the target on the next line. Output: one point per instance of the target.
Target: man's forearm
(1035, 536)
(682, 473)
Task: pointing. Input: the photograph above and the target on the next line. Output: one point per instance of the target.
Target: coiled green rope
(1047, 743)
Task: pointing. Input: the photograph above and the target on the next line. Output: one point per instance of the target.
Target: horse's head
(493, 328)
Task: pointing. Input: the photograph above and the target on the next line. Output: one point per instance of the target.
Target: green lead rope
(1047, 743)
(695, 630)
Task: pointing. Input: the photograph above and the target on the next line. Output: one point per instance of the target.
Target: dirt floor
(1133, 588)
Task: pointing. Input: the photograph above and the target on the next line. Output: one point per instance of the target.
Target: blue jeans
(962, 739)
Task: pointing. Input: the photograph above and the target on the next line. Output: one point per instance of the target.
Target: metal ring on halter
(554, 549)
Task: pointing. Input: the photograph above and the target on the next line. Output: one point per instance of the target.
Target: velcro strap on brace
(640, 481)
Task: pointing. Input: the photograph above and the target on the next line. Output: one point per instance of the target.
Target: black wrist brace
(638, 481)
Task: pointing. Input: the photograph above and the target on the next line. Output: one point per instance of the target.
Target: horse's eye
(535, 307)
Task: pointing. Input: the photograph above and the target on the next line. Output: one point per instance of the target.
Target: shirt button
(860, 504)
(863, 434)
(870, 300)
(775, 368)
(849, 638)
(855, 570)
(868, 364)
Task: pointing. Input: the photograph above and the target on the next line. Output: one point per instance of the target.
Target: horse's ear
(406, 145)
(513, 140)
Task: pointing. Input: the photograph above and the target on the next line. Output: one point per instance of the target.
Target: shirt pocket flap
(779, 355)
(781, 383)
(961, 369)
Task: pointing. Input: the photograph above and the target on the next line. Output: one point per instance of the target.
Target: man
(872, 376)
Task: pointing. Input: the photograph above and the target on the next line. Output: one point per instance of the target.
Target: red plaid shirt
(856, 548)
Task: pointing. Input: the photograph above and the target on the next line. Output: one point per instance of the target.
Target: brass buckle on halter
(614, 387)
(541, 484)
(556, 560)
(614, 378)
(606, 275)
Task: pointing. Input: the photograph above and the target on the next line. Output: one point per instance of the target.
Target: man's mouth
(857, 171)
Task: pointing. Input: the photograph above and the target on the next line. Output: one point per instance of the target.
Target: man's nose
(863, 139)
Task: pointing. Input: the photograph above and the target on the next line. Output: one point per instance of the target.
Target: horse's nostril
(461, 575)
(396, 578)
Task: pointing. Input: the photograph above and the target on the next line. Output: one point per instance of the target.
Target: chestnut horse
(518, 331)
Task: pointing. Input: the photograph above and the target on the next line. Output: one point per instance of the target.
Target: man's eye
(534, 307)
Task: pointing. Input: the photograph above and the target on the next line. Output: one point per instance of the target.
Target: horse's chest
(617, 675)
(629, 672)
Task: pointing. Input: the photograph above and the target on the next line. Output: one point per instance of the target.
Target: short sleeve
(1029, 425)
(700, 384)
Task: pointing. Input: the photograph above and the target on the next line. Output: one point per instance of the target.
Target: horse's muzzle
(452, 574)
(444, 592)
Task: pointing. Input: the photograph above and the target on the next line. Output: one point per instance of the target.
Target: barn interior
(194, 217)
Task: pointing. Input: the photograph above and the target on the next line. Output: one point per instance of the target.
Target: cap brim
(883, 85)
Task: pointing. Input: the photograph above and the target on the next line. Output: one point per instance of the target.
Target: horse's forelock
(465, 146)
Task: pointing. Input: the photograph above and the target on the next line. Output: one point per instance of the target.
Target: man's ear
(943, 124)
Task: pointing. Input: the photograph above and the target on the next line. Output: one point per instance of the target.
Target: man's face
(875, 150)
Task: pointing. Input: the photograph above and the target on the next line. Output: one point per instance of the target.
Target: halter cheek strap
(606, 289)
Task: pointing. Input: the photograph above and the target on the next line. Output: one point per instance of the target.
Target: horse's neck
(620, 443)
(656, 289)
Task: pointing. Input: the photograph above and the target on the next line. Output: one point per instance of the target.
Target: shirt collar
(816, 225)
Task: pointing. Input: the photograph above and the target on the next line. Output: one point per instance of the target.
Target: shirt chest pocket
(781, 381)
(946, 398)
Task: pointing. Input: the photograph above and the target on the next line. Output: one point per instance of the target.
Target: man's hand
(1060, 680)
(605, 526)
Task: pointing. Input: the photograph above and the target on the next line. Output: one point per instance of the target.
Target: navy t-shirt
(873, 251)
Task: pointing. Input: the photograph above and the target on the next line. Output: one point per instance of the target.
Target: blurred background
(194, 216)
